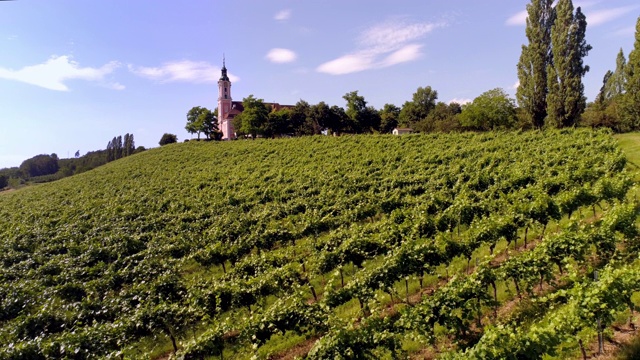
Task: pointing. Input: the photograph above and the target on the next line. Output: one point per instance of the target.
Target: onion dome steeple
(224, 76)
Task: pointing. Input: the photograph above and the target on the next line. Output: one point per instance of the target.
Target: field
(463, 246)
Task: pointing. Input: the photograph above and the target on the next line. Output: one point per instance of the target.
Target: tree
(338, 120)
(491, 110)
(414, 113)
(615, 82)
(77, 155)
(534, 60)
(565, 98)
(298, 118)
(630, 102)
(444, 117)
(319, 117)
(362, 118)
(253, 118)
(201, 120)
(389, 118)
(168, 139)
(4, 182)
(40, 165)
(277, 123)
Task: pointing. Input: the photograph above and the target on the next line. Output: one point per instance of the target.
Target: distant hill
(304, 246)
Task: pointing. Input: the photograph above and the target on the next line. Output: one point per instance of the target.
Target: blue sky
(76, 73)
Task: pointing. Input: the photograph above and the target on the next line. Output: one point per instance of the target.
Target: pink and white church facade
(226, 108)
(229, 109)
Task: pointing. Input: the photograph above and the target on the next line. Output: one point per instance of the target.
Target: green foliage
(362, 118)
(253, 118)
(630, 104)
(414, 113)
(389, 116)
(201, 120)
(565, 98)
(215, 258)
(491, 110)
(40, 165)
(4, 181)
(534, 60)
(168, 139)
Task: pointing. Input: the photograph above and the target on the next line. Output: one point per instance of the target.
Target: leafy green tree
(278, 123)
(168, 139)
(630, 102)
(444, 117)
(298, 118)
(319, 117)
(355, 110)
(414, 113)
(534, 60)
(565, 98)
(389, 116)
(615, 82)
(40, 165)
(129, 145)
(337, 120)
(253, 118)
(362, 118)
(201, 120)
(491, 110)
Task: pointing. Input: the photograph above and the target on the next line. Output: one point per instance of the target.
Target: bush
(168, 139)
(3, 181)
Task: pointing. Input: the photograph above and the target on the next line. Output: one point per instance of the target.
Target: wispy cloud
(387, 44)
(283, 15)
(598, 17)
(518, 19)
(279, 55)
(181, 71)
(626, 31)
(53, 73)
(594, 16)
(460, 101)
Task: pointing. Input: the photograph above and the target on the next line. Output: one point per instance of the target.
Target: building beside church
(229, 109)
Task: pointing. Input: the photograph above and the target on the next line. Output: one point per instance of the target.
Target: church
(229, 109)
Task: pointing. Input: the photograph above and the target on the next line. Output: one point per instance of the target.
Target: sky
(76, 73)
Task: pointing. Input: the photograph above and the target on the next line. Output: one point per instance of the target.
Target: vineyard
(501, 245)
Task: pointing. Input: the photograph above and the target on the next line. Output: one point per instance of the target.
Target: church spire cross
(224, 76)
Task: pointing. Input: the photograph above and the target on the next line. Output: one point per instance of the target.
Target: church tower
(224, 104)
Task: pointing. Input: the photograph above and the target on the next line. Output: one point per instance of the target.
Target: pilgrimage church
(228, 109)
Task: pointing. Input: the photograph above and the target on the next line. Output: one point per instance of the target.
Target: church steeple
(224, 104)
(224, 76)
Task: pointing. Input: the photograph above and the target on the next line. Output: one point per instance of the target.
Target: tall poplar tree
(615, 83)
(532, 66)
(565, 98)
(631, 98)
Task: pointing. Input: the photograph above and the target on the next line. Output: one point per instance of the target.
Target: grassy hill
(374, 246)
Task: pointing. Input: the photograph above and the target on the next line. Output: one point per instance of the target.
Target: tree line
(550, 94)
(45, 168)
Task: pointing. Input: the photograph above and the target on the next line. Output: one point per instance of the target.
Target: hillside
(369, 246)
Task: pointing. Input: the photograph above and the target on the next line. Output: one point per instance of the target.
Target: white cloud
(383, 45)
(181, 71)
(283, 15)
(518, 19)
(594, 17)
(279, 55)
(516, 85)
(53, 73)
(627, 31)
(598, 17)
(460, 101)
